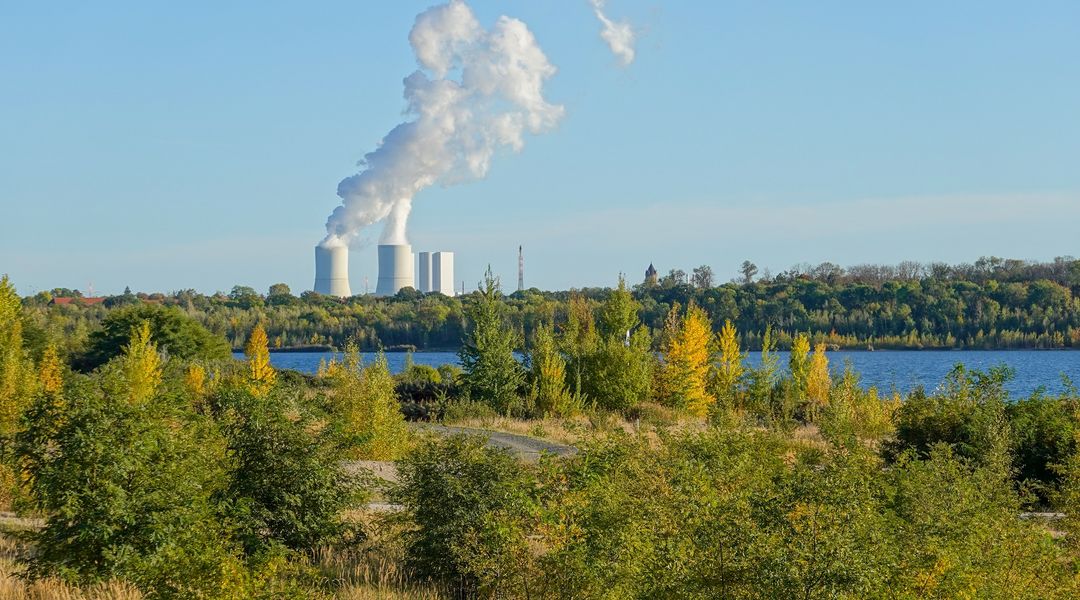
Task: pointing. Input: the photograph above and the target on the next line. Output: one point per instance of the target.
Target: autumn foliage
(261, 374)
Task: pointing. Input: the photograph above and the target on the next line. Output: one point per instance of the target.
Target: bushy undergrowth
(723, 514)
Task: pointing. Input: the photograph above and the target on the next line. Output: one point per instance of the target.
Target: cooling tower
(395, 269)
(425, 272)
(442, 273)
(332, 271)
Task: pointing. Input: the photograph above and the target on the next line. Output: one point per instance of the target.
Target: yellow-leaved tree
(51, 371)
(799, 365)
(17, 382)
(728, 370)
(261, 375)
(16, 374)
(547, 372)
(687, 354)
(141, 365)
(367, 407)
(195, 382)
(818, 382)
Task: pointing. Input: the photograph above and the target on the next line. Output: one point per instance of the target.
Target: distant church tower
(650, 276)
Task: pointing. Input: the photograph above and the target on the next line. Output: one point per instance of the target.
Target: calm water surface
(887, 370)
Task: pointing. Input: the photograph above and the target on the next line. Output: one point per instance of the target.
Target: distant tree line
(992, 304)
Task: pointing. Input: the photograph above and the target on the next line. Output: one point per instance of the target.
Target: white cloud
(619, 35)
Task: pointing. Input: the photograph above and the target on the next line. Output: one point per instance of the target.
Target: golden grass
(363, 575)
(648, 418)
(366, 573)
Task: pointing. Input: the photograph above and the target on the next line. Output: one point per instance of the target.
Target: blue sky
(199, 145)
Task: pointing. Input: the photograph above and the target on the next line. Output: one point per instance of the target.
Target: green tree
(748, 270)
(175, 334)
(285, 487)
(451, 489)
(280, 295)
(617, 361)
(492, 372)
(579, 342)
(763, 379)
(128, 490)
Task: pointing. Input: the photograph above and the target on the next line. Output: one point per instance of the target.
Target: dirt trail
(524, 447)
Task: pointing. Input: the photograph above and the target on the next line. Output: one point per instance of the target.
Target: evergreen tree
(617, 362)
(492, 372)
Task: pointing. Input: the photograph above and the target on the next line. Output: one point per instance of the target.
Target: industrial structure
(521, 269)
(424, 282)
(395, 269)
(442, 273)
(332, 271)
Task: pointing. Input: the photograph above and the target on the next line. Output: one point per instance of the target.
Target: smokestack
(425, 272)
(395, 269)
(521, 269)
(442, 272)
(332, 271)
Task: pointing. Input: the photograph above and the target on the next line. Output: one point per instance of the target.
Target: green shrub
(1044, 433)
(466, 410)
(962, 414)
(129, 490)
(452, 490)
(420, 375)
(285, 486)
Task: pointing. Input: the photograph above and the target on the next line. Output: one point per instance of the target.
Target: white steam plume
(477, 90)
(618, 35)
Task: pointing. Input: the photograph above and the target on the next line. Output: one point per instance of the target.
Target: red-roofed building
(79, 301)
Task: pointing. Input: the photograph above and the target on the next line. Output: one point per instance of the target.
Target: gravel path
(524, 447)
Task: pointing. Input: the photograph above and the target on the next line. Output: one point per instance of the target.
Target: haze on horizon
(200, 146)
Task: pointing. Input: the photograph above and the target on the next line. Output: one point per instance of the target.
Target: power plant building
(395, 269)
(332, 271)
(442, 273)
(424, 283)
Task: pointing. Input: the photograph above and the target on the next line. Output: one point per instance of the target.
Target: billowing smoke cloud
(618, 35)
(477, 90)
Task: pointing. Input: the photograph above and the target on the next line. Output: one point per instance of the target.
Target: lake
(886, 370)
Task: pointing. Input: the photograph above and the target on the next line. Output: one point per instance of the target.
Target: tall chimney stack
(521, 269)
